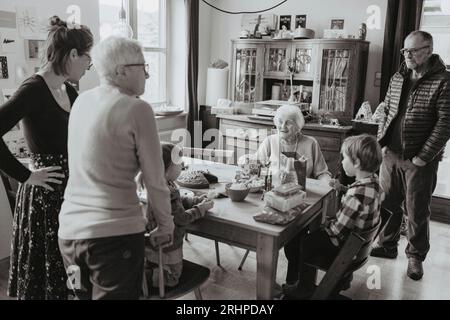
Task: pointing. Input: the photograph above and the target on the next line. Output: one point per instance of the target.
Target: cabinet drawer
(231, 143)
(245, 133)
(326, 142)
(333, 160)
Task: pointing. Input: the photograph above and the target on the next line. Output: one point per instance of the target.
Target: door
(332, 90)
(440, 205)
(277, 57)
(304, 60)
(247, 72)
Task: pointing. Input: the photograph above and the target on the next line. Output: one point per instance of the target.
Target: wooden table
(233, 223)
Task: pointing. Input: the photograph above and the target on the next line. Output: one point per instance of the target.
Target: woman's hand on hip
(42, 177)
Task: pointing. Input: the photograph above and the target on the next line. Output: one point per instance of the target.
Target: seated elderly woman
(112, 135)
(290, 141)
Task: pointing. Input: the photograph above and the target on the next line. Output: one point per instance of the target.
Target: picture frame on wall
(337, 24)
(33, 48)
(4, 67)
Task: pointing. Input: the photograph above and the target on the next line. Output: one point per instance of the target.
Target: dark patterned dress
(37, 269)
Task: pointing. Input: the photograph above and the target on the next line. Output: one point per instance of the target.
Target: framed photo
(337, 24)
(300, 21)
(4, 67)
(285, 21)
(33, 48)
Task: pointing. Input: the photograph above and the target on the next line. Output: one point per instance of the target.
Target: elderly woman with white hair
(290, 142)
(112, 135)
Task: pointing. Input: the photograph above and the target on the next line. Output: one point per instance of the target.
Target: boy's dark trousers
(403, 182)
(109, 268)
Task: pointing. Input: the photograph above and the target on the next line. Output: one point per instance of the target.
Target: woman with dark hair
(43, 104)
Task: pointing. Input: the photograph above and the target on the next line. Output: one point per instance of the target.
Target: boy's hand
(206, 205)
(202, 197)
(335, 184)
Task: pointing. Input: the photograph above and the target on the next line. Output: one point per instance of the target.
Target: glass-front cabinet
(333, 71)
(247, 73)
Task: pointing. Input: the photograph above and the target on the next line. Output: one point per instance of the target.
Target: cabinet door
(277, 56)
(247, 72)
(303, 60)
(333, 89)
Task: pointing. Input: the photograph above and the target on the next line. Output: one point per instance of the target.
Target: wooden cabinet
(331, 71)
(243, 135)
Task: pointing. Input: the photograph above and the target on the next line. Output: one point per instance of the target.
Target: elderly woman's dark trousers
(403, 182)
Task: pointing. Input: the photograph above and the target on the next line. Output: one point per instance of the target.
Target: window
(148, 21)
(436, 20)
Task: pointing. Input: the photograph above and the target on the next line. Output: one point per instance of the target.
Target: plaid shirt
(360, 210)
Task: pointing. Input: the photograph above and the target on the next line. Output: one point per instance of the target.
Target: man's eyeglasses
(145, 65)
(413, 51)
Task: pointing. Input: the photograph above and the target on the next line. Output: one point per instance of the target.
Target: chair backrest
(365, 238)
(192, 277)
(352, 256)
(215, 155)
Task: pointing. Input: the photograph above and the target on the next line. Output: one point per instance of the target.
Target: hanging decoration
(122, 28)
(244, 12)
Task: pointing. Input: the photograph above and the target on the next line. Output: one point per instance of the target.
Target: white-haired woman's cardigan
(306, 146)
(111, 137)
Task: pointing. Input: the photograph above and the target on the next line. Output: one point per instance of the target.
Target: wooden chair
(353, 255)
(214, 155)
(192, 277)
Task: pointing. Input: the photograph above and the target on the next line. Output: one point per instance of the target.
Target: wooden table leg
(267, 260)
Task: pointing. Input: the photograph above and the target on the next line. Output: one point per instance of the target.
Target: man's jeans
(402, 181)
(108, 268)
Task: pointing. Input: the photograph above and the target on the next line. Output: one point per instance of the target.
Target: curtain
(403, 17)
(192, 19)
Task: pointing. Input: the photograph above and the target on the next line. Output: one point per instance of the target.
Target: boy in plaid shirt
(360, 209)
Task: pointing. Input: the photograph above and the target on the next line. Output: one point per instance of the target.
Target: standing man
(413, 135)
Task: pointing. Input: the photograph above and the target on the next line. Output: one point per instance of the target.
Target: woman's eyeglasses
(145, 65)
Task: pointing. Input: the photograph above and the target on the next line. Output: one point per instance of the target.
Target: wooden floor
(228, 283)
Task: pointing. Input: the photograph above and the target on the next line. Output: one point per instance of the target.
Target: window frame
(133, 21)
(431, 27)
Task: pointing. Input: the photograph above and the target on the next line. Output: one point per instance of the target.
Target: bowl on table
(236, 191)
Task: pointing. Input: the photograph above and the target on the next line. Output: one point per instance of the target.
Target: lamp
(122, 28)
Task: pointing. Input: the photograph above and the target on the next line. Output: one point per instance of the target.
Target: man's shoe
(415, 269)
(382, 252)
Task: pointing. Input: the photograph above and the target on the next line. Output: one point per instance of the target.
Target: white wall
(219, 28)
(45, 9)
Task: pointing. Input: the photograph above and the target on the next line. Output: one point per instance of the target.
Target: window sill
(183, 114)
